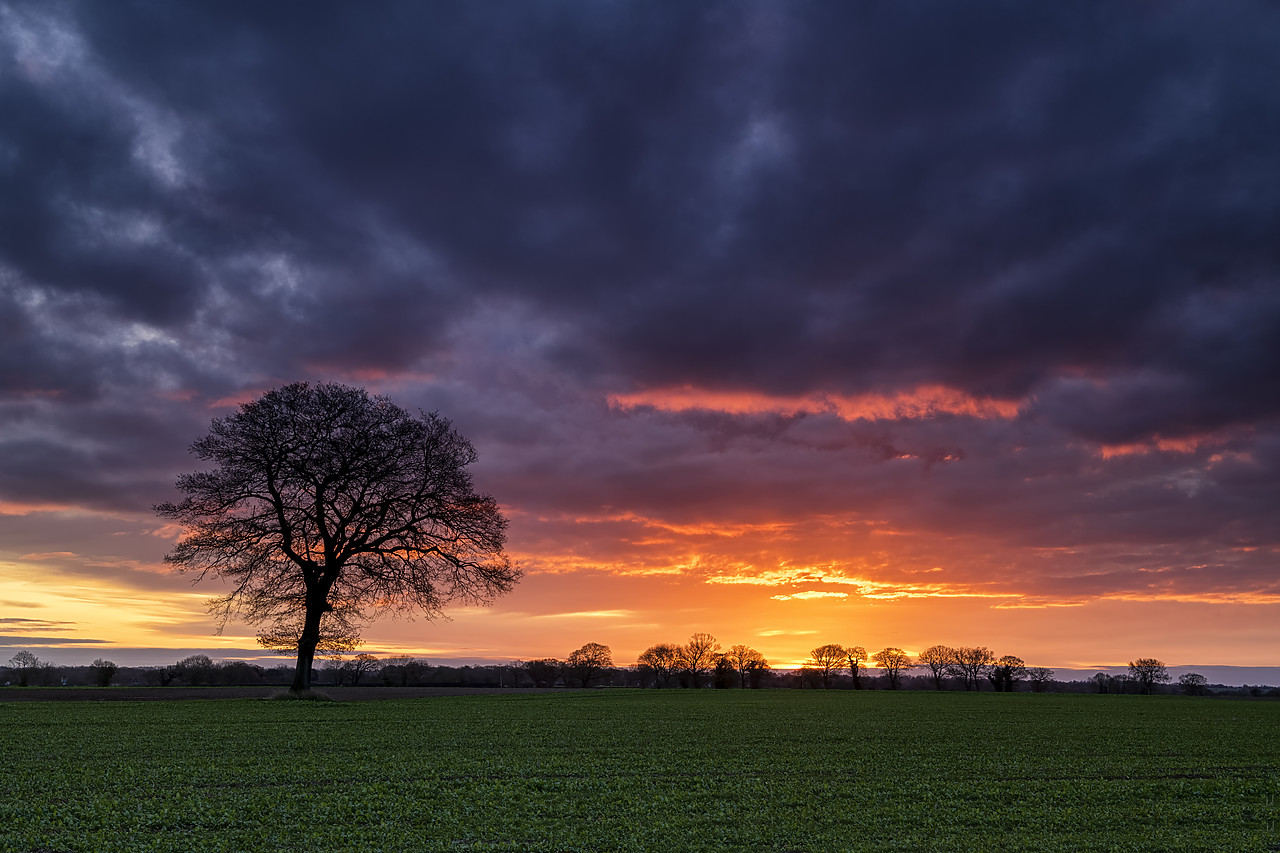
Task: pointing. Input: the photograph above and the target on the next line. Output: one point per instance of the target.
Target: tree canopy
(893, 661)
(590, 662)
(1148, 672)
(325, 504)
(827, 661)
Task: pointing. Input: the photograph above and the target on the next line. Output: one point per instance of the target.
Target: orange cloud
(924, 401)
(809, 595)
(865, 588)
(1188, 444)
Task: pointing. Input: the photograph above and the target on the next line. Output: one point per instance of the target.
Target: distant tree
(324, 504)
(854, 658)
(103, 672)
(893, 661)
(543, 671)
(1193, 684)
(416, 671)
(1148, 672)
(1040, 678)
(24, 664)
(590, 662)
(404, 671)
(724, 674)
(335, 672)
(698, 656)
(361, 665)
(167, 674)
(939, 661)
(971, 663)
(757, 672)
(827, 661)
(239, 672)
(1005, 673)
(1120, 681)
(662, 661)
(1102, 682)
(196, 670)
(745, 660)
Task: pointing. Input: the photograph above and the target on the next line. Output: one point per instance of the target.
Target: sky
(882, 324)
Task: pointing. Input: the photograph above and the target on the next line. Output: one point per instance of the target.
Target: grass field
(657, 770)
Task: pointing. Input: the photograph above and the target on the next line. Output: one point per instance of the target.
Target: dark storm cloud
(834, 197)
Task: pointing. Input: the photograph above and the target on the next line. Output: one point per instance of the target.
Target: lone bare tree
(325, 504)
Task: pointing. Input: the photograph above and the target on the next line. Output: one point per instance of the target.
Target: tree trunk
(307, 643)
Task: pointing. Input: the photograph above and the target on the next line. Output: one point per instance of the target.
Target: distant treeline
(700, 663)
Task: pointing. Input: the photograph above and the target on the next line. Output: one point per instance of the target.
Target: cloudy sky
(871, 323)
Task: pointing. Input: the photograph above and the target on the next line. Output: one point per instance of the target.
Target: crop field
(654, 770)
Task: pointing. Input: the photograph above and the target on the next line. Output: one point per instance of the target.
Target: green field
(655, 770)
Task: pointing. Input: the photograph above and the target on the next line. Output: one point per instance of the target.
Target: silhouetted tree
(358, 667)
(1148, 672)
(1102, 682)
(854, 657)
(239, 672)
(698, 656)
(404, 671)
(590, 662)
(971, 664)
(662, 661)
(826, 661)
(893, 661)
(195, 670)
(724, 674)
(24, 664)
(324, 502)
(1005, 673)
(757, 672)
(543, 671)
(1193, 684)
(939, 660)
(103, 671)
(1040, 678)
(745, 660)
